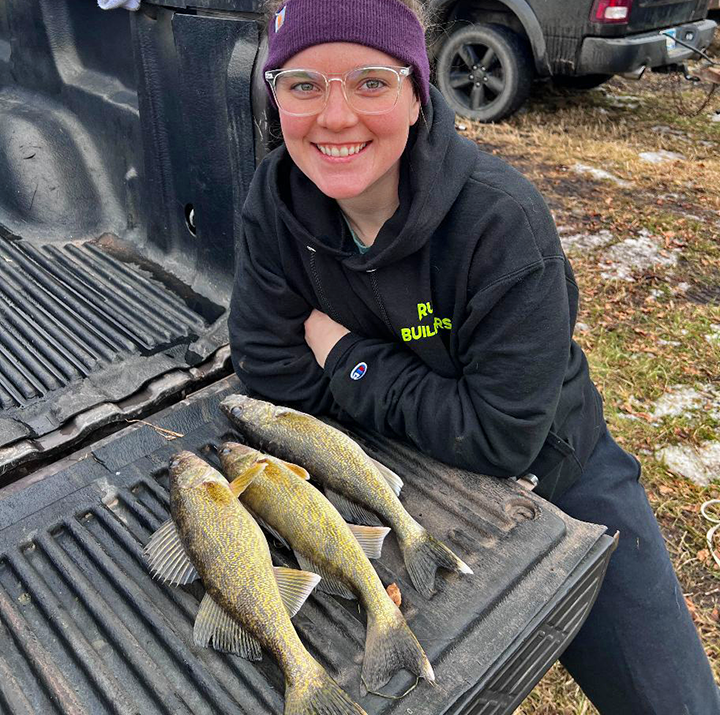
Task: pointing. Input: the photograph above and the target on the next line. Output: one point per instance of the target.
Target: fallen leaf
(691, 607)
(703, 555)
(715, 614)
(665, 490)
(394, 592)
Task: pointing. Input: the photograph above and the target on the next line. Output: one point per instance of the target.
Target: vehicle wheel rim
(477, 76)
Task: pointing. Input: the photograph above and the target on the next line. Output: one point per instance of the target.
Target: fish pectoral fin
(216, 628)
(241, 483)
(295, 586)
(296, 469)
(370, 538)
(350, 511)
(396, 484)
(329, 583)
(167, 558)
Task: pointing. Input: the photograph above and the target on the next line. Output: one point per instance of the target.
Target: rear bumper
(615, 55)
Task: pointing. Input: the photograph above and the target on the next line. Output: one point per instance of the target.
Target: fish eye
(225, 450)
(236, 411)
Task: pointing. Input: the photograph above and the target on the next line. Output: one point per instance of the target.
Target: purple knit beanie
(386, 25)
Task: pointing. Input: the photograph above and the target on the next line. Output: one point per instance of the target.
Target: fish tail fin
(390, 648)
(319, 695)
(423, 555)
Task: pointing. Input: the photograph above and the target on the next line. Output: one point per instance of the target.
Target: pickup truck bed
(87, 630)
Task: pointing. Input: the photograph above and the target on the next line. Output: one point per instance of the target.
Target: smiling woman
(376, 236)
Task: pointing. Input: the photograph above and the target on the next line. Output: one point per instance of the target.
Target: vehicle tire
(585, 81)
(485, 72)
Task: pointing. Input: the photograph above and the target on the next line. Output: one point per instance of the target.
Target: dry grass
(646, 335)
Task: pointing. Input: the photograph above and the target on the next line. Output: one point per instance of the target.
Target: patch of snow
(682, 400)
(698, 464)
(714, 335)
(583, 242)
(627, 101)
(660, 157)
(564, 229)
(636, 254)
(599, 174)
(715, 117)
(672, 343)
(655, 293)
(664, 129)
(582, 327)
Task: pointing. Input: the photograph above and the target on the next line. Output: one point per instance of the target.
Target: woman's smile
(341, 153)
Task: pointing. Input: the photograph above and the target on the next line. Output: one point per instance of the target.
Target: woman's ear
(414, 110)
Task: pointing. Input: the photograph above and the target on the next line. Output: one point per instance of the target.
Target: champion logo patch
(279, 19)
(358, 371)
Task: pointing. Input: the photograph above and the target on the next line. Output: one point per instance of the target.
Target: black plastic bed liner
(86, 630)
(84, 324)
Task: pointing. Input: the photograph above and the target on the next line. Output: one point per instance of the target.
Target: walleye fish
(290, 507)
(359, 487)
(248, 603)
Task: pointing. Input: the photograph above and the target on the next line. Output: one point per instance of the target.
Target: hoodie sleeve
(514, 346)
(267, 334)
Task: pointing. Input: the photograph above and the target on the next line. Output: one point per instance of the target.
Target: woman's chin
(339, 191)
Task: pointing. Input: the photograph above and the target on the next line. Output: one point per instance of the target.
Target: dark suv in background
(488, 52)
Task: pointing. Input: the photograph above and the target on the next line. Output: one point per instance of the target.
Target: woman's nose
(337, 113)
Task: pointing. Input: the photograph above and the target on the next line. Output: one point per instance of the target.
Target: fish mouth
(228, 448)
(180, 461)
(237, 457)
(234, 404)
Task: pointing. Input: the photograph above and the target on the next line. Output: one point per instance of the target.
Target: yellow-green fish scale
(230, 553)
(329, 455)
(313, 528)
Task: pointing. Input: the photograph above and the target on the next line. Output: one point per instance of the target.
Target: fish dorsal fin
(329, 583)
(370, 538)
(167, 557)
(295, 586)
(396, 484)
(296, 469)
(241, 483)
(350, 511)
(216, 628)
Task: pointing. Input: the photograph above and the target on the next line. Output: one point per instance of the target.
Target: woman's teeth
(341, 151)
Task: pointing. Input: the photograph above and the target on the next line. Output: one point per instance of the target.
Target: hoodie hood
(434, 168)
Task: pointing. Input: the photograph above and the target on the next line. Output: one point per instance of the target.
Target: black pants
(638, 653)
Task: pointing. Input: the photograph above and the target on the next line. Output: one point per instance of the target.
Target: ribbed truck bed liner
(83, 326)
(85, 629)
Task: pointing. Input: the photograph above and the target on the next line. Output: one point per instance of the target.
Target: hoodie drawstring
(322, 297)
(378, 298)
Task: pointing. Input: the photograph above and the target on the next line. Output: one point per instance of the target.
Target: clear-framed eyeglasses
(368, 90)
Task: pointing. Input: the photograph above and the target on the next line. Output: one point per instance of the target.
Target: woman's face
(372, 171)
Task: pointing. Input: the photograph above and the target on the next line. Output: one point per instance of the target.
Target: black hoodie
(461, 313)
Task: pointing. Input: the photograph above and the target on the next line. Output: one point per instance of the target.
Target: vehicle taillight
(611, 11)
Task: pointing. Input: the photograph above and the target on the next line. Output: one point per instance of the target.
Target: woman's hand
(321, 334)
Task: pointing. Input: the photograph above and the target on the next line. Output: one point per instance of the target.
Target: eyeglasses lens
(369, 90)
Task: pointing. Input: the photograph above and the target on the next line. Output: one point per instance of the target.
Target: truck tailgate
(87, 630)
(657, 14)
